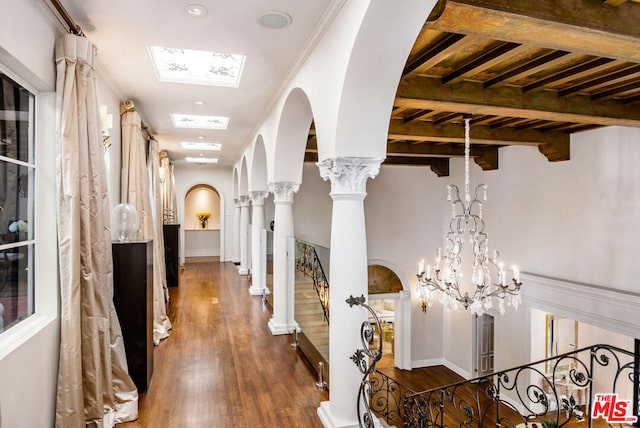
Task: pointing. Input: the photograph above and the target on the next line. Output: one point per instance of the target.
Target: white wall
(29, 351)
(109, 96)
(403, 227)
(312, 207)
(221, 179)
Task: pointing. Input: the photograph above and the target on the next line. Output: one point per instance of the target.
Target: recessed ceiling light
(201, 137)
(199, 102)
(275, 20)
(196, 10)
(201, 160)
(197, 67)
(190, 145)
(199, 122)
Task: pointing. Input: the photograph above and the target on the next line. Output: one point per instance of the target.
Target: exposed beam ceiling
(530, 72)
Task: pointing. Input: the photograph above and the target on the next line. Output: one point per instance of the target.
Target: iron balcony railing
(308, 263)
(548, 393)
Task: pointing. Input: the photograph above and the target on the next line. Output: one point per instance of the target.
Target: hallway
(221, 367)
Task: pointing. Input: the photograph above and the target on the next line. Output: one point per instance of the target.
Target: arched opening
(202, 199)
(202, 221)
(389, 297)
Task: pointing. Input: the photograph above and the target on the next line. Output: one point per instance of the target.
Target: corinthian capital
(258, 197)
(349, 175)
(283, 191)
(244, 200)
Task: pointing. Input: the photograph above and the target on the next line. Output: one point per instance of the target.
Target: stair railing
(548, 393)
(308, 263)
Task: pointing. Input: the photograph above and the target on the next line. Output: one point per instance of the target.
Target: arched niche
(201, 198)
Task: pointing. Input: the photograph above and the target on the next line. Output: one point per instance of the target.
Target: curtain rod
(73, 27)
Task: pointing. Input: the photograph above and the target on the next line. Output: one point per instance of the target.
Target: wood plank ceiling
(530, 73)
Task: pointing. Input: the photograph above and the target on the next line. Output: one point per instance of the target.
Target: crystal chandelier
(488, 276)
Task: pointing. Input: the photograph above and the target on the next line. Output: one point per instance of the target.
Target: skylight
(201, 160)
(199, 122)
(190, 145)
(197, 67)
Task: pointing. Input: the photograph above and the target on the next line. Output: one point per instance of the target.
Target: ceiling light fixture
(201, 160)
(198, 121)
(466, 224)
(196, 67)
(190, 145)
(275, 20)
(196, 10)
(199, 102)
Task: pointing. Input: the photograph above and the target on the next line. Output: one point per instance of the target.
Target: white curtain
(159, 274)
(94, 388)
(169, 202)
(136, 190)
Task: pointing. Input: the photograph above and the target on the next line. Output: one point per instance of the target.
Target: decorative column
(258, 262)
(236, 231)
(283, 291)
(244, 231)
(348, 273)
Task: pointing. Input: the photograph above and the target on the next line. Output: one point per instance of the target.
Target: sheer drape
(136, 190)
(94, 388)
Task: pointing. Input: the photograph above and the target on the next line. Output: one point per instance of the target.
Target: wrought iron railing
(547, 393)
(308, 263)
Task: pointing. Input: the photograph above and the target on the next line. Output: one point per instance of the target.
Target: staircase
(309, 315)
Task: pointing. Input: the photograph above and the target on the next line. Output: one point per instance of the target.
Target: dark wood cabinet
(171, 242)
(133, 300)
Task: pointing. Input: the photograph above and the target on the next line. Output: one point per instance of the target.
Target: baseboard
(440, 362)
(330, 421)
(427, 363)
(258, 291)
(202, 253)
(465, 374)
(279, 329)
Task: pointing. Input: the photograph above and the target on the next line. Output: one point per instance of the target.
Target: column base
(329, 420)
(257, 291)
(243, 272)
(278, 329)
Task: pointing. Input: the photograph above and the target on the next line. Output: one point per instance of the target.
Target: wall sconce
(106, 122)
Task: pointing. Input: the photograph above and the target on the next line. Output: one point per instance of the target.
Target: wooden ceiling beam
(485, 156)
(609, 78)
(615, 90)
(585, 26)
(480, 134)
(471, 97)
(528, 67)
(433, 53)
(440, 166)
(487, 59)
(614, 2)
(588, 67)
(418, 115)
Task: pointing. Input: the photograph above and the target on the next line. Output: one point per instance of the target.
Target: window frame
(44, 228)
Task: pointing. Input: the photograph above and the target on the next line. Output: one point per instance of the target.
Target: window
(17, 173)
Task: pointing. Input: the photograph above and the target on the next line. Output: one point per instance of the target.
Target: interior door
(484, 345)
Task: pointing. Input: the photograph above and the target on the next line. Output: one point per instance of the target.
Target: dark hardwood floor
(221, 367)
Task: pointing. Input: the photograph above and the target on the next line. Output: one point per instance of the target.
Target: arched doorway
(390, 298)
(202, 221)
